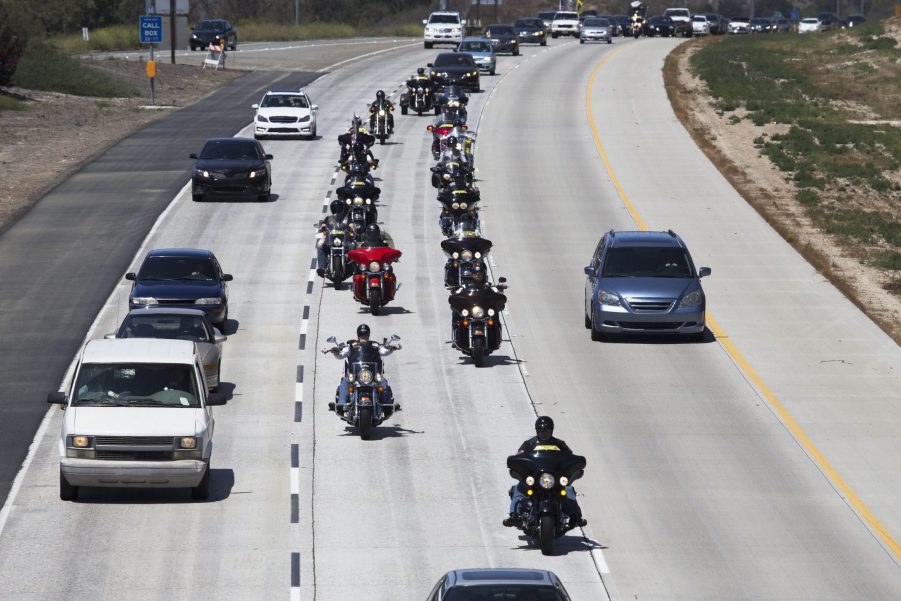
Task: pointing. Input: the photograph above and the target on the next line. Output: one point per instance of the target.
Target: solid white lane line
(598, 555)
(367, 55)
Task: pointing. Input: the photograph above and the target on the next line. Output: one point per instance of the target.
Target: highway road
(761, 464)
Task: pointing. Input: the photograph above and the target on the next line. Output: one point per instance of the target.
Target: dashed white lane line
(304, 324)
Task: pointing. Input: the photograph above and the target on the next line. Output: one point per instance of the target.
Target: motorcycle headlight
(692, 299)
(212, 300)
(446, 176)
(262, 119)
(467, 255)
(465, 312)
(609, 298)
(144, 300)
(478, 312)
(347, 201)
(564, 480)
(546, 480)
(530, 481)
(490, 312)
(365, 376)
(375, 266)
(419, 90)
(337, 242)
(381, 113)
(478, 255)
(358, 201)
(455, 205)
(463, 205)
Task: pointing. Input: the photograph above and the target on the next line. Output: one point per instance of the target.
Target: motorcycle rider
(420, 80)
(356, 142)
(544, 440)
(387, 106)
(349, 352)
(373, 237)
(337, 220)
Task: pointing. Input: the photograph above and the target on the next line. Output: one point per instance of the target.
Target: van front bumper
(137, 474)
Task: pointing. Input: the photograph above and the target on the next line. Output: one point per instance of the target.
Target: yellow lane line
(739, 359)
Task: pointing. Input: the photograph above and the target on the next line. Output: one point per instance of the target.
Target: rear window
(504, 592)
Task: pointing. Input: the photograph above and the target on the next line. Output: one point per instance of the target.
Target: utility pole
(172, 35)
(296, 12)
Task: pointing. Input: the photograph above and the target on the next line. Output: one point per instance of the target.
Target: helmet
(420, 71)
(451, 140)
(380, 94)
(363, 332)
(373, 233)
(544, 424)
(337, 207)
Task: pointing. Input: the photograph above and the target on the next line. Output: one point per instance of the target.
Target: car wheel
(67, 492)
(264, 197)
(516, 52)
(201, 492)
(197, 197)
(235, 44)
(587, 321)
(581, 41)
(596, 335)
(492, 72)
(428, 45)
(224, 328)
(544, 42)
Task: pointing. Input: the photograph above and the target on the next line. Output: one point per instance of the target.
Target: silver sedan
(596, 30)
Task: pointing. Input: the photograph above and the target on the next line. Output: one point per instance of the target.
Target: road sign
(151, 30)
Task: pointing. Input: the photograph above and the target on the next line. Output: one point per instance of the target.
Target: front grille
(283, 119)
(175, 301)
(283, 130)
(651, 305)
(134, 455)
(133, 440)
(649, 325)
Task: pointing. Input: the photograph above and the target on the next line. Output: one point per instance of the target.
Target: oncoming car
(644, 282)
(596, 29)
(482, 53)
(455, 68)
(284, 112)
(231, 167)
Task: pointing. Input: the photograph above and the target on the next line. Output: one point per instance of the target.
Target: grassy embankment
(44, 68)
(125, 37)
(839, 95)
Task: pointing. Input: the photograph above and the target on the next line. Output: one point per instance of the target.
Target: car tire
(428, 45)
(544, 42)
(516, 52)
(67, 492)
(218, 377)
(587, 321)
(224, 328)
(492, 72)
(581, 41)
(313, 133)
(201, 492)
(235, 44)
(596, 335)
(197, 197)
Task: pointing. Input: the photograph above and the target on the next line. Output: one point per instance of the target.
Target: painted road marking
(739, 359)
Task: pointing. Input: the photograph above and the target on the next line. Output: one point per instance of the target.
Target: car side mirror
(193, 155)
(331, 339)
(425, 21)
(502, 280)
(57, 398)
(462, 21)
(315, 107)
(111, 336)
(131, 276)
(394, 337)
(589, 270)
(215, 399)
(219, 338)
(268, 157)
(227, 277)
(254, 106)
(704, 271)
(430, 65)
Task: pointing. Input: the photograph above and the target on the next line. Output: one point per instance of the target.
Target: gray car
(596, 29)
(178, 324)
(499, 583)
(644, 282)
(482, 53)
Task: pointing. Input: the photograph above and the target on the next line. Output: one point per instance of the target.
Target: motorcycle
(360, 198)
(455, 205)
(475, 321)
(452, 175)
(369, 399)
(359, 170)
(453, 96)
(340, 240)
(378, 121)
(417, 97)
(465, 257)
(440, 130)
(546, 475)
(374, 282)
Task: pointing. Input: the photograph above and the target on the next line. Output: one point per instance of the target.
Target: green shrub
(104, 39)
(808, 198)
(11, 104)
(44, 68)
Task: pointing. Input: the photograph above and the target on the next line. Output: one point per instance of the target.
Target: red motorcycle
(439, 132)
(374, 281)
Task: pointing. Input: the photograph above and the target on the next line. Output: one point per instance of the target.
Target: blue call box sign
(151, 30)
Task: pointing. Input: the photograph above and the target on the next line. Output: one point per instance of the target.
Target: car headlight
(337, 242)
(692, 299)
(530, 481)
(187, 442)
(210, 300)
(262, 119)
(144, 300)
(81, 442)
(304, 119)
(194, 35)
(365, 376)
(257, 173)
(467, 255)
(204, 174)
(478, 312)
(375, 266)
(564, 480)
(609, 298)
(358, 201)
(546, 480)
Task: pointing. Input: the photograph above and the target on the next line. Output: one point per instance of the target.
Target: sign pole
(172, 33)
(152, 93)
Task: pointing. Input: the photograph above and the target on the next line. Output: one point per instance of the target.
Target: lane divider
(742, 363)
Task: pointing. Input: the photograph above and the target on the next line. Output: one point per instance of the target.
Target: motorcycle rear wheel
(546, 534)
(375, 301)
(478, 352)
(365, 422)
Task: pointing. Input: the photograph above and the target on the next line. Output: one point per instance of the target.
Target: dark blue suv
(644, 282)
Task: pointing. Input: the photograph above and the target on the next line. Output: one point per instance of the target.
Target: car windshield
(291, 101)
(538, 23)
(596, 23)
(231, 150)
(444, 19)
(211, 25)
(196, 269)
(172, 326)
(699, 18)
(677, 12)
(475, 47)
(810, 20)
(454, 60)
(661, 20)
(135, 385)
(568, 16)
(646, 261)
(504, 592)
(500, 30)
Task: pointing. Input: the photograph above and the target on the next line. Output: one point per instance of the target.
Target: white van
(443, 27)
(137, 415)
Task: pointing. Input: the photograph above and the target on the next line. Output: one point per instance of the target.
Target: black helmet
(363, 332)
(452, 140)
(544, 424)
(337, 207)
(380, 94)
(420, 71)
(373, 233)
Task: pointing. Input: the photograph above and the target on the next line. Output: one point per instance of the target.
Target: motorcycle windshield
(381, 254)
(537, 462)
(485, 298)
(365, 353)
(358, 188)
(474, 245)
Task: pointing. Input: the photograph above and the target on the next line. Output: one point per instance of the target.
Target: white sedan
(285, 112)
(808, 25)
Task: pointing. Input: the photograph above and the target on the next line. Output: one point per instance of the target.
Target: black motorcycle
(476, 320)
(360, 202)
(546, 475)
(378, 121)
(448, 174)
(466, 257)
(455, 204)
(453, 97)
(359, 170)
(340, 242)
(417, 97)
(369, 399)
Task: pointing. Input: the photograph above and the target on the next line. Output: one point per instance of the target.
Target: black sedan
(212, 31)
(503, 38)
(455, 68)
(761, 25)
(623, 24)
(662, 26)
(531, 31)
(231, 167)
(186, 278)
